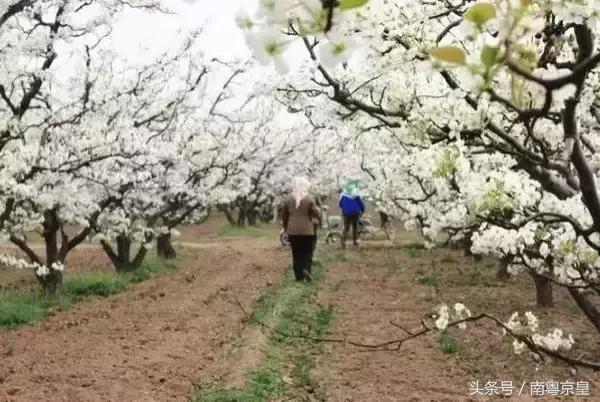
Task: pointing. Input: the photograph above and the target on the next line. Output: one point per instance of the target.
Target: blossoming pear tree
(144, 110)
(51, 81)
(276, 154)
(493, 105)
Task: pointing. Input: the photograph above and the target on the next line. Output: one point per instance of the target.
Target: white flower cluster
(265, 31)
(446, 316)
(529, 326)
(40, 270)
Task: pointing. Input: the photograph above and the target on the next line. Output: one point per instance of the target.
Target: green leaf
(348, 4)
(480, 13)
(449, 54)
(489, 56)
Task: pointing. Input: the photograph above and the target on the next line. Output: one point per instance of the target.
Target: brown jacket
(299, 221)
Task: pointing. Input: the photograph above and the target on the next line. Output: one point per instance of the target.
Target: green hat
(351, 186)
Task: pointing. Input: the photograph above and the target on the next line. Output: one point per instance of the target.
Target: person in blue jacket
(352, 208)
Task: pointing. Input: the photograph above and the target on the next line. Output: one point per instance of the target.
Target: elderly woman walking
(297, 213)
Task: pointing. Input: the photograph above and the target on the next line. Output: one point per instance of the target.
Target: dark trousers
(302, 252)
(316, 228)
(350, 220)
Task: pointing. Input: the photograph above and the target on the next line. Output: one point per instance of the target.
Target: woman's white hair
(301, 185)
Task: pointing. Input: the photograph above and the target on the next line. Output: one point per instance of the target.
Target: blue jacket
(351, 204)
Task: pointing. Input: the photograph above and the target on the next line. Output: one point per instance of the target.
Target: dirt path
(149, 343)
(365, 300)
(373, 287)
(159, 339)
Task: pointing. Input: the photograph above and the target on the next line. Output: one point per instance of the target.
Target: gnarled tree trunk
(252, 217)
(121, 259)
(502, 274)
(466, 246)
(241, 218)
(383, 219)
(53, 282)
(586, 305)
(228, 215)
(543, 291)
(164, 247)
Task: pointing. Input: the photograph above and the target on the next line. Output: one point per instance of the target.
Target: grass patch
(285, 308)
(430, 280)
(448, 344)
(20, 307)
(412, 246)
(413, 252)
(94, 284)
(151, 266)
(475, 275)
(301, 371)
(333, 256)
(413, 249)
(480, 278)
(246, 231)
(323, 318)
(261, 385)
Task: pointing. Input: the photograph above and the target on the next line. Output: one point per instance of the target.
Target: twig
(311, 338)
(389, 345)
(401, 327)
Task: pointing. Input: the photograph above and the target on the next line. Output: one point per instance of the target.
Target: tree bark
(502, 274)
(251, 217)
(52, 283)
(164, 247)
(383, 219)
(466, 246)
(543, 291)
(123, 251)
(228, 215)
(241, 218)
(122, 260)
(588, 308)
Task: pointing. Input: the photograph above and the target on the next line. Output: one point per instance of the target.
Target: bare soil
(378, 285)
(150, 343)
(161, 339)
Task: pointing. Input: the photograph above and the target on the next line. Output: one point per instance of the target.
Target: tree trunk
(466, 246)
(124, 261)
(383, 219)
(164, 248)
(228, 215)
(241, 219)
(52, 282)
(251, 217)
(543, 291)
(123, 252)
(266, 213)
(502, 274)
(121, 259)
(588, 308)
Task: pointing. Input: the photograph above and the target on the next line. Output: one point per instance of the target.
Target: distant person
(297, 213)
(352, 208)
(317, 222)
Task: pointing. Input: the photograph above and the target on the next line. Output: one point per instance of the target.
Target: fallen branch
(395, 344)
